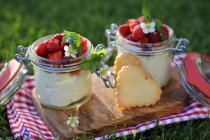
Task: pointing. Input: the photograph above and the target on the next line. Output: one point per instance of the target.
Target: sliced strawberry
(41, 50)
(62, 45)
(144, 40)
(53, 47)
(57, 38)
(155, 37)
(84, 45)
(138, 33)
(130, 37)
(140, 19)
(124, 30)
(55, 56)
(132, 23)
(165, 31)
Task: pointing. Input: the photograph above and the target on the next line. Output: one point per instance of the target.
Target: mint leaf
(158, 27)
(93, 63)
(86, 64)
(145, 11)
(73, 39)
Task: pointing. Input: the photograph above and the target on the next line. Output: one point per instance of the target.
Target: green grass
(24, 21)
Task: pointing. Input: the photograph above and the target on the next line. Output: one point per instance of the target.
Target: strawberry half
(132, 23)
(84, 45)
(41, 50)
(155, 37)
(124, 30)
(138, 33)
(57, 38)
(130, 37)
(55, 56)
(165, 31)
(140, 19)
(53, 47)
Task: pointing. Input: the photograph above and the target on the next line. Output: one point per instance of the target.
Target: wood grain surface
(100, 115)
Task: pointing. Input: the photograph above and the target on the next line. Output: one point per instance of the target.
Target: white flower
(148, 27)
(72, 121)
(103, 71)
(69, 51)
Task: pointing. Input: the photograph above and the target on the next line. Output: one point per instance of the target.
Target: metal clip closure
(21, 58)
(110, 79)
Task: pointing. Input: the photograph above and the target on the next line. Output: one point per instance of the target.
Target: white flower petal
(67, 54)
(151, 30)
(145, 30)
(73, 124)
(77, 121)
(68, 122)
(106, 67)
(143, 25)
(104, 76)
(66, 48)
(152, 24)
(73, 56)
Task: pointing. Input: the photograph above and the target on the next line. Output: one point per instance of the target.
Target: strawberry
(84, 45)
(165, 31)
(55, 55)
(62, 44)
(124, 30)
(138, 33)
(132, 23)
(155, 37)
(130, 37)
(140, 19)
(144, 40)
(41, 50)
(53, 47)
(57, 38)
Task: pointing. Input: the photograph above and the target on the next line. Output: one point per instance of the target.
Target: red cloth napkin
(25, 122)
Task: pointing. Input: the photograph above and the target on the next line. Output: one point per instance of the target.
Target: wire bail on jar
(110, 80)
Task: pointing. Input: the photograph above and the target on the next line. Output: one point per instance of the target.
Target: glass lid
(195, 76)
(12, 76)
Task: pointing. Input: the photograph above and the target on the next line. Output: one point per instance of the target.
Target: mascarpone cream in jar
(61, 84)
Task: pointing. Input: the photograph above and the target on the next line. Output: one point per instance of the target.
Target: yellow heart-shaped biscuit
(124, 60)
(136, 88)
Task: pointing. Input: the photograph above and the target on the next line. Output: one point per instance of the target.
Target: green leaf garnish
(94, 62)
(73, 39)
(145, 11)
(158, 27)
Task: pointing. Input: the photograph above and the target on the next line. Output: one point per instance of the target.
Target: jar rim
(145, 47)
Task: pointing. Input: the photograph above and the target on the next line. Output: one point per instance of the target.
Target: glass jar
(155, 58)
(61, 84)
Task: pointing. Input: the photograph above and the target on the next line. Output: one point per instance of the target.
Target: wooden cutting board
(101, 116)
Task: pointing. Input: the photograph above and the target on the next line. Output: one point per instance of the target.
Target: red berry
(124, 30)
(132, 23)
(55, 56)
(138, 33)
(62, 44)
(53, 47)
(57, 38)
(165, 31)
(130, 37)
(140, 19)
(41, 50)
(155, 37)
(145, 40)
(84, 45)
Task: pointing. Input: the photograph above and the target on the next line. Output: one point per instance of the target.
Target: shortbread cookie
(124, 60)
(136, 88)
